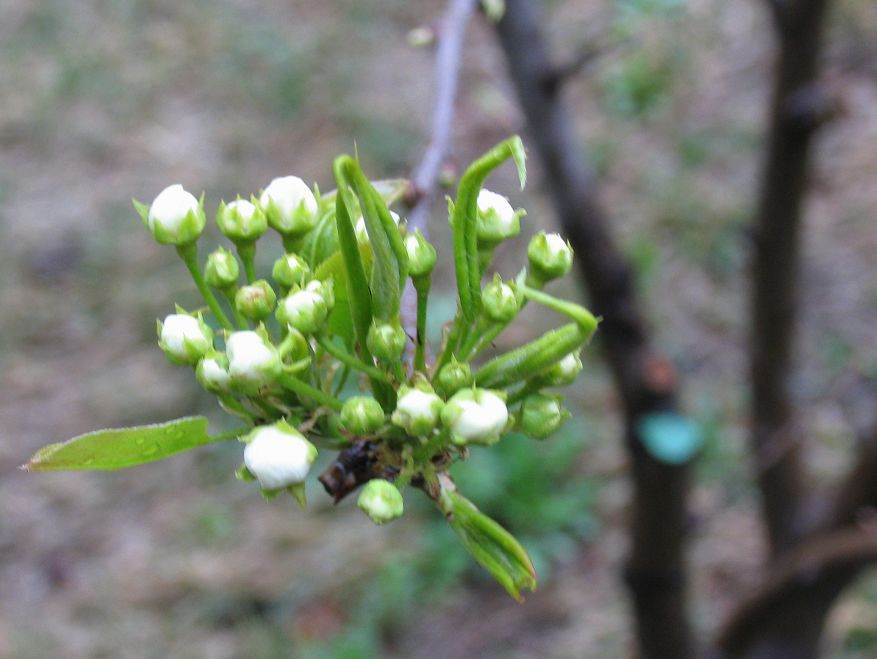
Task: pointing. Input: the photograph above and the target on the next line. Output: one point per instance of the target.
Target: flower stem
(346, 358)
(302, 388)
(421, 285)
(189, 254)
(247, 252)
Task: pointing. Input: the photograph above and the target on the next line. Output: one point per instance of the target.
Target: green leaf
(115, 448)
(464, 220)
(494, 548)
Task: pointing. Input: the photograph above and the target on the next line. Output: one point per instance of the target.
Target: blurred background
(104, 100)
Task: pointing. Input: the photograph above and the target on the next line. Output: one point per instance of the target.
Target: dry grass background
(103, 100)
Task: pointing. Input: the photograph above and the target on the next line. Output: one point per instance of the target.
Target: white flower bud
(477, 416)
(212, 373)
(417, 411)
(564, 372)
(362, 232)
(278, 455)
(175, 216)
(290, 206)
(499, 301)
(381, 501)
(252, 362)
(497, 220)
(421, 255)
(184, 338)
(290, 270)
(304, 310)
(550, 256)
(241, 221)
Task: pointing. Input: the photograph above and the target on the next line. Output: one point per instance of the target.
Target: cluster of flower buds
(279, 350)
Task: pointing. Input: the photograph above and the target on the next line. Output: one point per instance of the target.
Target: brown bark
(655, 568)
(795, 113)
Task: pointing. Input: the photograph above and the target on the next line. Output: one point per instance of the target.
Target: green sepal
(116, 448)
(494, 548)
(244, 475)
(298, 493)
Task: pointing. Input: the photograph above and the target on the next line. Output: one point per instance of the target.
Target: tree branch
(775, 438)
(447, 73)
(806, 578)
(655, 569)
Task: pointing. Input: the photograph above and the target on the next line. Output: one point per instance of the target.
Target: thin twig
(447, 75)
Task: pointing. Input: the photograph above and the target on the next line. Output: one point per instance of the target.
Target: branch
(775, 438)
(447, 73)
(645, 381)
(808, 580)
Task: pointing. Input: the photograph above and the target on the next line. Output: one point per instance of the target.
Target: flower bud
(222, 269)
(421, 255)
(550, 256)
(290, 206)
(381, 501)
(325, 288)
(452, 377)
(563, 372)
(252, 361)
(241, 221)
(497, 220)
(212, 372)
(256, 301)
(499, 301)
(304, 310)
(362, 232)
(542, 414)
(362, 415)
(184, 338)
(386, 341)
(278, 455)
(417, 411)
(175, 216)
(476, 416)
(290, 270)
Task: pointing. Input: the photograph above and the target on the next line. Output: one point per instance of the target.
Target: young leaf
(464, 220)
(495, 549)
(116, 448)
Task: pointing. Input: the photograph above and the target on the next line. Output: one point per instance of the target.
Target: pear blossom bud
(212, 372)
(381, 501)
(278, 455)
(499, 301)
(362, 415)
(175, 217)
(222, 269)
(452, 377)
(476, 416)
(550, 256)
(184, 338)
(386, 341)
(290, 206)
(542, 414)
(421, 255)
(362, 232)
(563, 372)
(497, 220)
(252, 361)
(325, 288)
(256, 301)
(290, 270)
(241, 221)
(304, 310)
(417, 411)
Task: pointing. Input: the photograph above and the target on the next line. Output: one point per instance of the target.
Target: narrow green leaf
(494, 548)
(116, 448)
(464, 220)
